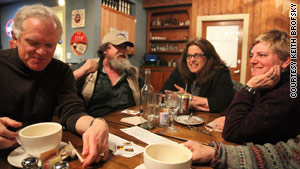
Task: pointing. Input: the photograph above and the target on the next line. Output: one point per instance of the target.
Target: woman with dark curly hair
(206, 75)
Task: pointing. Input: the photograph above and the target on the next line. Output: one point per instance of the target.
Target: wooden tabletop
(119, 162)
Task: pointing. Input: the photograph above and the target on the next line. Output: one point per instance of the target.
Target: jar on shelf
(158, 21)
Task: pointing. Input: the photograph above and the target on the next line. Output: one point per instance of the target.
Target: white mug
(167, 156)
(40, 137)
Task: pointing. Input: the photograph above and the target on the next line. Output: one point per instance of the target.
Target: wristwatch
(249, 89)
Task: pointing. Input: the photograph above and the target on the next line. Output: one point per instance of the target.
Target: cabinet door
(159, 75)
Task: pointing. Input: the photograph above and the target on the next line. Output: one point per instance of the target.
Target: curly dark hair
(213, 63)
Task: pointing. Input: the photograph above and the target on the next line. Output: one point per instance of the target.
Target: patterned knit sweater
(282, 155)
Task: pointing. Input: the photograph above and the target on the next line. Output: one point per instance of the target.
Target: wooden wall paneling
(217, 7)
(230, 6)
(237, 6)
(250, 11)
(161, 3)
(271, 15)
(257, 18)
(264, 15)
(224, 7)
(285, 15)
(211, 9)
(201, 7)
(278, 13)
(206, 7)
(196, 10)
(244, 6)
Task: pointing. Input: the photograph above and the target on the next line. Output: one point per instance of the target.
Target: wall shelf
(167, 41)
(169, 27)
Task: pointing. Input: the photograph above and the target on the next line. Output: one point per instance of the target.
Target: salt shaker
(30, 163)
(61, 165)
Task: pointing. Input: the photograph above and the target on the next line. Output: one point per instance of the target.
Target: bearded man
(115, 82)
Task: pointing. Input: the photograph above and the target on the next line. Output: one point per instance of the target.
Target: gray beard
(122, 65)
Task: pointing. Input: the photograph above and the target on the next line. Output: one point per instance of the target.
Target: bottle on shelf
(146, 106)
(120, 5)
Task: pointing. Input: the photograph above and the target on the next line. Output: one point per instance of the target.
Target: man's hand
(201, 153)
(8, 138)
(267, 80)
(95, 143)
(90, 66)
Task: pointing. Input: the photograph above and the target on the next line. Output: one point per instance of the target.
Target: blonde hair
(279, 43)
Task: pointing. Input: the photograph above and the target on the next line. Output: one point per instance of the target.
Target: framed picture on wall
(78, 18)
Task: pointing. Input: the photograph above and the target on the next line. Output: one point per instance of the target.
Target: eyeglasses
(196, 56)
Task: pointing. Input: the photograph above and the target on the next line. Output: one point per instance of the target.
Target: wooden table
(183, 132)
(119, 162)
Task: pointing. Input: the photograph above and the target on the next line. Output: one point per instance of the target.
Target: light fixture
(61, 2)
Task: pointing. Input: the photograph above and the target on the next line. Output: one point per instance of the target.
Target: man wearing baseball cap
(109, 83)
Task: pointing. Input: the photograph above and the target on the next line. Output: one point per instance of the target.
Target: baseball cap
(116, 38)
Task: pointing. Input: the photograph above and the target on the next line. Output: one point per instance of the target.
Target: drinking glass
(153, 106)
(172, 102)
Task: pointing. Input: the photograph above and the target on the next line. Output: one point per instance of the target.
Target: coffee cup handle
(18, 137)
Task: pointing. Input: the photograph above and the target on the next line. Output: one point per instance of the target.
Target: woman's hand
(219, 123)
(267, 80)
(201, 153)
(180, 89)
(199, 103)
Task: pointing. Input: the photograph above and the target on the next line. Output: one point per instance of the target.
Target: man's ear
(13, 36)
(286, 63)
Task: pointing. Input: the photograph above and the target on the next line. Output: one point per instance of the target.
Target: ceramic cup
(40, 137)
(167, 156)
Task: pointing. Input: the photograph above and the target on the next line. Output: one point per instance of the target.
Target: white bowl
(167, 156)
(40, 137)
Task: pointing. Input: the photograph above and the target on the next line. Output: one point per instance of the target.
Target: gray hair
(42, 12)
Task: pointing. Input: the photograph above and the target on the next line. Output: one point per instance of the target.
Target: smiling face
(37, 42)
(195, 65)
(263, 58)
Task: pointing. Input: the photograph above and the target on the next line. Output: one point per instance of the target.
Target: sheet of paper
(134, 120)
(114, 140)
(210, 127)
(130, 112)
(145, 135)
